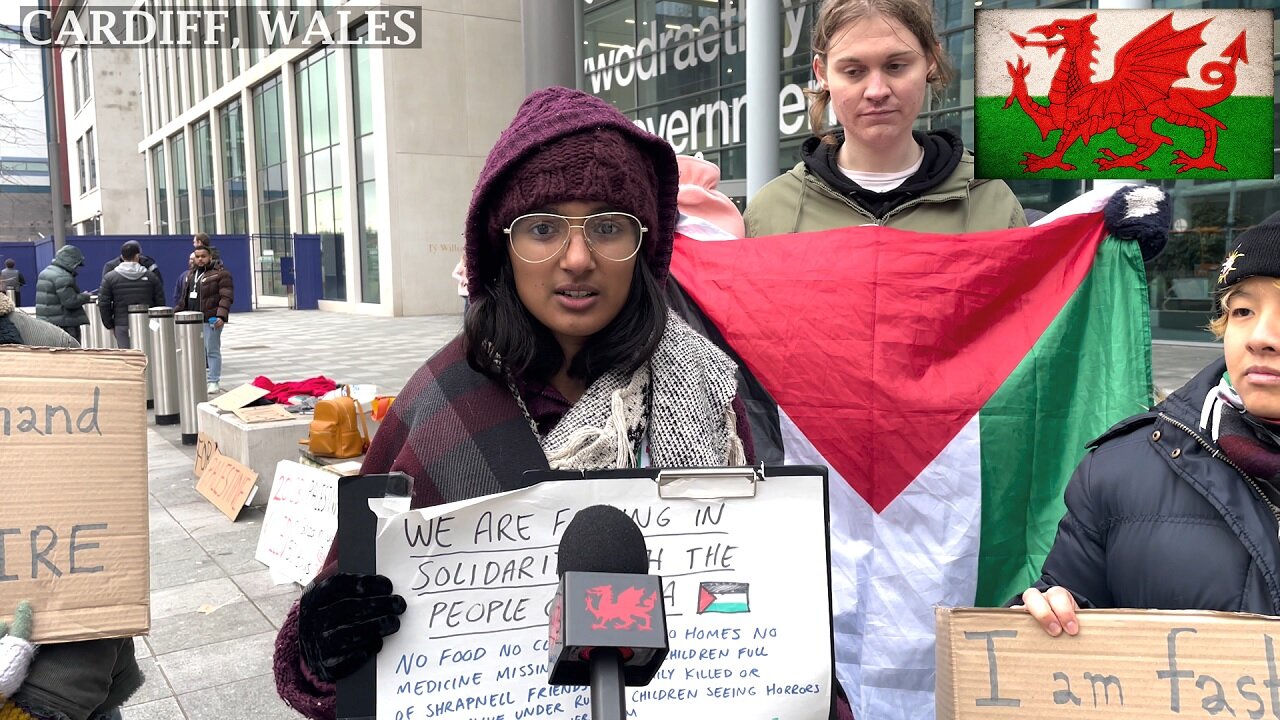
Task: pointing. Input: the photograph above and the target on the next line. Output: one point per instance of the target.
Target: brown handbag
(338, 428)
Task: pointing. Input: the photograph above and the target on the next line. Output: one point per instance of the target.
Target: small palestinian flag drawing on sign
(1124, 94)
(723, 597)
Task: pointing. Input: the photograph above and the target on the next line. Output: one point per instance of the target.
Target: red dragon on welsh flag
(1150, 99)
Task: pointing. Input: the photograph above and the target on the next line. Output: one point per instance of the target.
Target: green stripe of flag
(1001, 136)
(1090, 369)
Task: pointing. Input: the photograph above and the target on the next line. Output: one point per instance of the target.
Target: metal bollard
(191, 375)
(140, 335)
(91, 334)
(88, 331)
(13, 296)
(164, 373)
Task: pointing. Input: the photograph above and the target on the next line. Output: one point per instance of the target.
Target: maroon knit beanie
(591, 166)
(566, 145)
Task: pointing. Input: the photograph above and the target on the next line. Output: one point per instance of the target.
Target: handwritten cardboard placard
(264, 413)
(1146, 664)
(748, 612)
(227, 484)
(206, 448)
(301, 520)
(73, 475)
(239, 397)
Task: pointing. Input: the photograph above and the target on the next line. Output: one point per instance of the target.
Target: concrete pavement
(214, 609)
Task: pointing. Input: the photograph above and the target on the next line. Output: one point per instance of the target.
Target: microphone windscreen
(602, 538)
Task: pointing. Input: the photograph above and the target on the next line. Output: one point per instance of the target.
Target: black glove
(342, 620)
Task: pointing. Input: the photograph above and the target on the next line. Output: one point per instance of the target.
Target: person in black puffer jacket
(1178, 508)
(129, 283)
(143, 260)
(58, 297)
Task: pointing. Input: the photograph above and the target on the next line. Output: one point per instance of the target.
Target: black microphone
(608, 625)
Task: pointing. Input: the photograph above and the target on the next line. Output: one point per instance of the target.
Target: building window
(321, 159)
(206, 212)
(148, 97)
(279, 20)
(84, 175)
(91, 158)
(162, 194)
(273, 188)
(235, 194)
(181, 207)
(163, 86)
(234, 23)
(75, 81)
(86, 84)
(366, 184)
(218, 56)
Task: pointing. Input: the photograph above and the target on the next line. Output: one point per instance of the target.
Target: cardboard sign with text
(227, 484)
(264, 413)
(74, 534)
(996, 663)
(206, 448)
(239, 397)
(301, 520)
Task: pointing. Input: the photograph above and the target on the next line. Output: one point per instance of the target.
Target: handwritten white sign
(744, 580)
(301, 520)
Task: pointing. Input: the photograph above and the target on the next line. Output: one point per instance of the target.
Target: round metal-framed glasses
(539, 237)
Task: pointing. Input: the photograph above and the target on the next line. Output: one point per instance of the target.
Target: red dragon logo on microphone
(631, 610)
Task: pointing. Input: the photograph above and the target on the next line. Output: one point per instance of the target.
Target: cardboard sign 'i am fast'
(1123, 94)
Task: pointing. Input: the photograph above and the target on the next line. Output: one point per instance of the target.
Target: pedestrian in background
(58, 296)
(128, 283)
(11, 279)
(207, 287)
(143, 260)
(875, 61)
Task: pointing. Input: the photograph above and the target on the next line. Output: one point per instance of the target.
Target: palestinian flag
(1184, 93)
(723, 597)
(950, 383)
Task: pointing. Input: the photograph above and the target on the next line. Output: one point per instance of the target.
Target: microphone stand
(608, 690)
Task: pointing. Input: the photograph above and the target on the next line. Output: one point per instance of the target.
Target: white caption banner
(745, 583)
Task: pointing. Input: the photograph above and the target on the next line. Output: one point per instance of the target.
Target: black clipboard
(357, 694)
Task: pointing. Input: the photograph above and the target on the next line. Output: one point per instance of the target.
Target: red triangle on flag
(704, 599)
(880, 344)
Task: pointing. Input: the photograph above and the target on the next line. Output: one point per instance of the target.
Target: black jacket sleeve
(179, 291)
(106, 303)
(1077, 561)
(157, 291)
(154, 269)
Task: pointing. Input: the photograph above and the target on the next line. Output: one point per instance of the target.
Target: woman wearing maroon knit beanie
(1177, 508)
(568, 358)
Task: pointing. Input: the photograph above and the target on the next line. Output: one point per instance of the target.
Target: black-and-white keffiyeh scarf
(678, 406)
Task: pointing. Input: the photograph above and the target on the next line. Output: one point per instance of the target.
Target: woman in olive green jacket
(874, 62)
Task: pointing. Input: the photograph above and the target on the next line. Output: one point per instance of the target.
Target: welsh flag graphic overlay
(1152, 84)
(950, 383)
